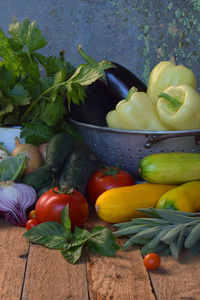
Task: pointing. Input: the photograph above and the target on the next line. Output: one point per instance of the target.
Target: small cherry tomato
(50, 205)
(105, 179)
(31, 223)
(151, 261)
(32, 214)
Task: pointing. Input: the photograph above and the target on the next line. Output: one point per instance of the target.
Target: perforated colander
(129, 147)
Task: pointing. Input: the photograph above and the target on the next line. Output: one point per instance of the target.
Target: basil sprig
(165, 230)
(58, 236)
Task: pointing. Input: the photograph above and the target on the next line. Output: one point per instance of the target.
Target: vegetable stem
(173, 101)
(130, 93)
(87, 58)
(32, 105)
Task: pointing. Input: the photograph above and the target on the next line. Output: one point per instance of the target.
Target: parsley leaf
(33, 101)
(26, 35)
(36, 132)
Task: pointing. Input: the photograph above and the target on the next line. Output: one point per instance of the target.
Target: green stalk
(87, 58)
(33, 104)
(28, 53)
(172, 100)
(101, 67)
(130, 93)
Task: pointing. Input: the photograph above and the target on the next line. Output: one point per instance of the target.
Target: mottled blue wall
(137, 34)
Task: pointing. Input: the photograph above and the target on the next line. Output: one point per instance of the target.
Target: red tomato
(50, 205)
(108, 178)
(32, 214)
(151, 261)
(31, 223)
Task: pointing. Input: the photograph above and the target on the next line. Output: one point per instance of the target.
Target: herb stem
(33, 104)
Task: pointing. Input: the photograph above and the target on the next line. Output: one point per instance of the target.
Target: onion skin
(34, 155)
(15, 199)
(42, 149)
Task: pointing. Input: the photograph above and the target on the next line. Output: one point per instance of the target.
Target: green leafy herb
(167, 230)
(58, 236)
(26, 97)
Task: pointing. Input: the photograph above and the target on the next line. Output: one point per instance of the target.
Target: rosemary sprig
(165, 230)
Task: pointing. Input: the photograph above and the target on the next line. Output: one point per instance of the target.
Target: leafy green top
(38, 103)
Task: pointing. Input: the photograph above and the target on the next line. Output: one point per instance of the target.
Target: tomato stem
(110, 171)
(61, 190)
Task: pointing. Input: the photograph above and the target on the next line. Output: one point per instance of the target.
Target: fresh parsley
(58, 236)
(26, 97)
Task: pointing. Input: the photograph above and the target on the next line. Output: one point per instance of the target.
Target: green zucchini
(59, 147)
(75, 171)
(170, 168)
(39, 178)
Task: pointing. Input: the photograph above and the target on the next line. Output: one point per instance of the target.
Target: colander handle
(156, 139)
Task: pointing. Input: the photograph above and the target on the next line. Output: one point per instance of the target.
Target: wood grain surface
(33, 272)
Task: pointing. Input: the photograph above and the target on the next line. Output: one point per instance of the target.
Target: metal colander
(128, 146)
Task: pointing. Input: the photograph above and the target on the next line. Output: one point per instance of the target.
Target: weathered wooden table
(33, 272)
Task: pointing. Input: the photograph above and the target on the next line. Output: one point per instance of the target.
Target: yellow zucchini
(185, 197)
(170, 168)
(120, 204)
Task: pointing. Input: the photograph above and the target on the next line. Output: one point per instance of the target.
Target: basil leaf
(65, 219)
(72, 255)
(49, 234)
(80, 237)
(103, 241)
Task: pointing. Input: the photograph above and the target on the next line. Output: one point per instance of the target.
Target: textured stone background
(137, 34)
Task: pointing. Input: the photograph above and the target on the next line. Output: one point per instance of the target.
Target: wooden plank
(13, 257)
(50, 276)
(121, 277)
(177, 279)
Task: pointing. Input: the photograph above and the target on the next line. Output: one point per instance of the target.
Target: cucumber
(74, 173)
(170, 168)
(39, 178)
(59, 147)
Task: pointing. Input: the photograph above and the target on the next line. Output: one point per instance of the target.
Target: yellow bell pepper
(166, 74)
(179, 108)
(183, 198)
(136, 112)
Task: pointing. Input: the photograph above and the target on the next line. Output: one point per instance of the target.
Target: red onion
(15, 198)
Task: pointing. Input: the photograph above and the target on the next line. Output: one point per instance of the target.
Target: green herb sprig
(58, 236)
(38, 102)
(165, 230)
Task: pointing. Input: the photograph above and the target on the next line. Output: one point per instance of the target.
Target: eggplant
(104, 94)
(97, 104)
